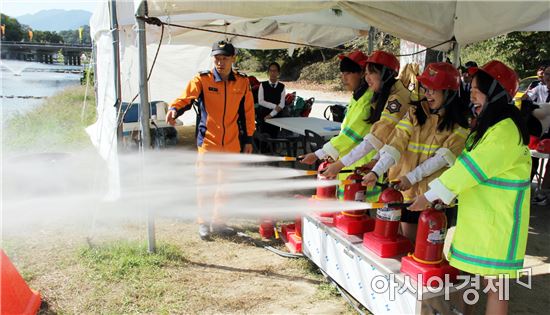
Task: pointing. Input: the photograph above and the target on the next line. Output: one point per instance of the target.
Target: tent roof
(424, 22)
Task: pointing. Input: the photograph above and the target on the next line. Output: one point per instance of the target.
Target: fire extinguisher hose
(352, 214)
(425, 261)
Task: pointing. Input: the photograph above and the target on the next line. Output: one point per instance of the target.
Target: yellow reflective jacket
(396, 107)
(418, 143)
(492, 181)
(353, 128)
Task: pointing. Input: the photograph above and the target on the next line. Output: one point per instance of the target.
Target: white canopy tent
(323, 23)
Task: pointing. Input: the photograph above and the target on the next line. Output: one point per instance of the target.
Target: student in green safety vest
(491, 180)
(354, 127)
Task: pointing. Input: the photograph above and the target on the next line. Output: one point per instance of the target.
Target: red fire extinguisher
(387, 219)
(385, 241)
(324, 192)
(354, 222)
(354, 190)
(428, 260)
(430, 237)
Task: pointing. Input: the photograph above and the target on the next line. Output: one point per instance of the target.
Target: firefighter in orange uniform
(226, 111)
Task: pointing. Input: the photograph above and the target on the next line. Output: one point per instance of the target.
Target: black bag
(337, 111)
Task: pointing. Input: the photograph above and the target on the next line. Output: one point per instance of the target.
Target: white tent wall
(103, 132)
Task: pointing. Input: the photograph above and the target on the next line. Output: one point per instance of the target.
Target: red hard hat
(356, 56)
(390, 195)
(289, 98)
(440, 76)
(544, 146)
(503, 74)
(384, 58)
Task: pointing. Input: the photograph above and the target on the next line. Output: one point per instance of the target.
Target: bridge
(43, 52)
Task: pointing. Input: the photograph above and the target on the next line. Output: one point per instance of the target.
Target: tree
(523, 51)
(72, 36)
(47, 37)
(14, 30)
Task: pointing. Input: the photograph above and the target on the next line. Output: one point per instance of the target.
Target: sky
(15, 8)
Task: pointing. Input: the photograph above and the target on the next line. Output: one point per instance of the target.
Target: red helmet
(384, 58)
(504, 75)
(356, 56)
(390, 195)
(440, 76)
(289, 98)
(544, 146)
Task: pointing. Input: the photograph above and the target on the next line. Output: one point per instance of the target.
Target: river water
(25, 85)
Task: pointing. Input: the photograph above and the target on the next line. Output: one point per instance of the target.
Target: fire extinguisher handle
(398, 204)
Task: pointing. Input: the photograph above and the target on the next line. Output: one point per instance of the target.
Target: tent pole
(116, 62)
(456, 61)
(372, 34)
(145, 114)
(143, 88)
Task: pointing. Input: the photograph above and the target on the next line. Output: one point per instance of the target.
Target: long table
(324, 128)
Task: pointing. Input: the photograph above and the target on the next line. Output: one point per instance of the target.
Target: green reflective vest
(352, 131)
(492, 182)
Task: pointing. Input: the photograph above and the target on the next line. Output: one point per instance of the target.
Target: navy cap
(223, 48)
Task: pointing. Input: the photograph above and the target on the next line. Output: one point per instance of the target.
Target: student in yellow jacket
(491, 180)
(426, 141)
(226, 110)
(354, 127)
(389, 103)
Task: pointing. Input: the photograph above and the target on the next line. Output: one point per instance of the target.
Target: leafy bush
(322, 72)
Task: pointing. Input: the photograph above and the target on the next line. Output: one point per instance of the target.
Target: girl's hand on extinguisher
(421, 203)
(370, 179)
(333, 169)
(403, 184)
(308, 159)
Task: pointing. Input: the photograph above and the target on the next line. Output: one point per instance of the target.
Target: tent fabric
(423, 22)
(103, 132)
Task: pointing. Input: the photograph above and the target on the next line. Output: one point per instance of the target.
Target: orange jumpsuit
(224, 107)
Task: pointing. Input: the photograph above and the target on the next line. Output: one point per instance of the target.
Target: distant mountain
(56, 20)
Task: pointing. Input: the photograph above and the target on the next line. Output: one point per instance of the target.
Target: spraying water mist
(57, 190)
